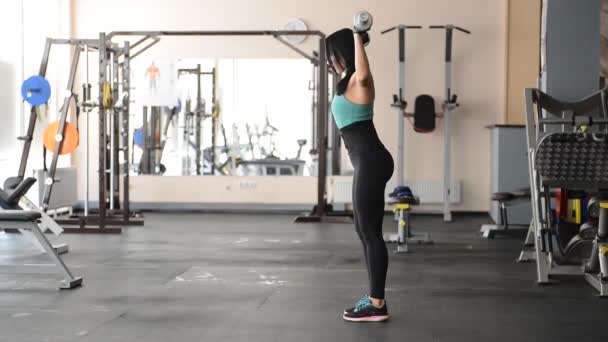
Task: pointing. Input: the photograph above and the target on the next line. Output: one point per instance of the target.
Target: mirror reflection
(240, 117)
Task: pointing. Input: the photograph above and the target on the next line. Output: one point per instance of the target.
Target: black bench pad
(19, 215)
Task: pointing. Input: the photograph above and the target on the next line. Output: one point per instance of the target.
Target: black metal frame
(51, 172)
(201, 116)
(114, 68)
(321, 210)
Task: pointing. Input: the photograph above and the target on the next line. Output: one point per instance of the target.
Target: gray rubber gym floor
(226, 277)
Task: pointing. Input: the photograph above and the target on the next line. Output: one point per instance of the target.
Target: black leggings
(373, 166)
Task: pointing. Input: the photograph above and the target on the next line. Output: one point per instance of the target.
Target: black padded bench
(28, 222)
(12, 197)
(19, 216)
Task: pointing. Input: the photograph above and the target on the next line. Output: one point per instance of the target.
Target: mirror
(240, 117)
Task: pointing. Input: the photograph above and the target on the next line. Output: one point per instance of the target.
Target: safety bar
(450, 27)
(401, 26)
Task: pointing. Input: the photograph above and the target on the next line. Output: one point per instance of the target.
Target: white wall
(24, 25)
(10, 79)
(479, 64)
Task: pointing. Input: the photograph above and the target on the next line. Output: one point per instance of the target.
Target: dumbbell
(362, 22)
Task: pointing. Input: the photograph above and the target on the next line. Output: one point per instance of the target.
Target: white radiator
(430, 192)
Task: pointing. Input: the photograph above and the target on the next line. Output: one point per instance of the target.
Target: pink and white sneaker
(366, 312)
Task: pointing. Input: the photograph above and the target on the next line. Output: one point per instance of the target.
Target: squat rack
(50, 174)
(113, 101)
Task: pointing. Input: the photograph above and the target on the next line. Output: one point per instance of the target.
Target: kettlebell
(362, 21)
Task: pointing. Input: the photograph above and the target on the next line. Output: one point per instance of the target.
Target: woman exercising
(352, 108)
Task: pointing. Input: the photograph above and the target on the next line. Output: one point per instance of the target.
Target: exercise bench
(12, 197)
(505, 200)
(30, 221)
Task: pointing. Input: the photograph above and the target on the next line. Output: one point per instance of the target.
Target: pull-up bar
(112, 34)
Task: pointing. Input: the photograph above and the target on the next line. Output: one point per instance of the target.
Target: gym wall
(523, 54)
(479, 79)
(25, 24)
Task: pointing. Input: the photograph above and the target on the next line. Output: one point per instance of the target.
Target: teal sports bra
(346, 113)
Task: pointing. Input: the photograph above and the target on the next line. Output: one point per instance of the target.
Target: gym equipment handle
(450, 26)
(404, 26)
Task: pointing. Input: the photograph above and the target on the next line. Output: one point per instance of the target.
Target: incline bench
(28, 222)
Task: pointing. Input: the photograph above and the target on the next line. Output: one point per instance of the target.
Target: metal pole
(336, 145)
(199, 121)
(312, 59)
(187, 133)
(114, 73)
(103, 54)
(33, 115)
(447, 138)
(399, 106)
(217, 33)
(315, 110)
(322, 112)
(400, 113)
(143, 162)
(153, 143)
(111, 174)
(184, 147)
(126, 90)
(59, 137)
(213, 123)
(86, 98)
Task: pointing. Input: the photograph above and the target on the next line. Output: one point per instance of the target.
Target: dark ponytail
(341, 46)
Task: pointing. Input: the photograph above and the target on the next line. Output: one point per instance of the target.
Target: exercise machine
(113, 108)
(449, 105)
(568, 149)
(424, 116)
(402, 205)
(399, 102)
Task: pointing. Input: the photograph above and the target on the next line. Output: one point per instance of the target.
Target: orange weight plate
(70, 139)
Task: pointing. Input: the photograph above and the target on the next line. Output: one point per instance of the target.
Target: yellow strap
(402, 206)
(584, 129)
(604, 205)
(107, 96)
(578, 211)
(216, 110)
(604, 250)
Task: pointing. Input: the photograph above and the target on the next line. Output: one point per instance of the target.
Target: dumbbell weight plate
(36, 90)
